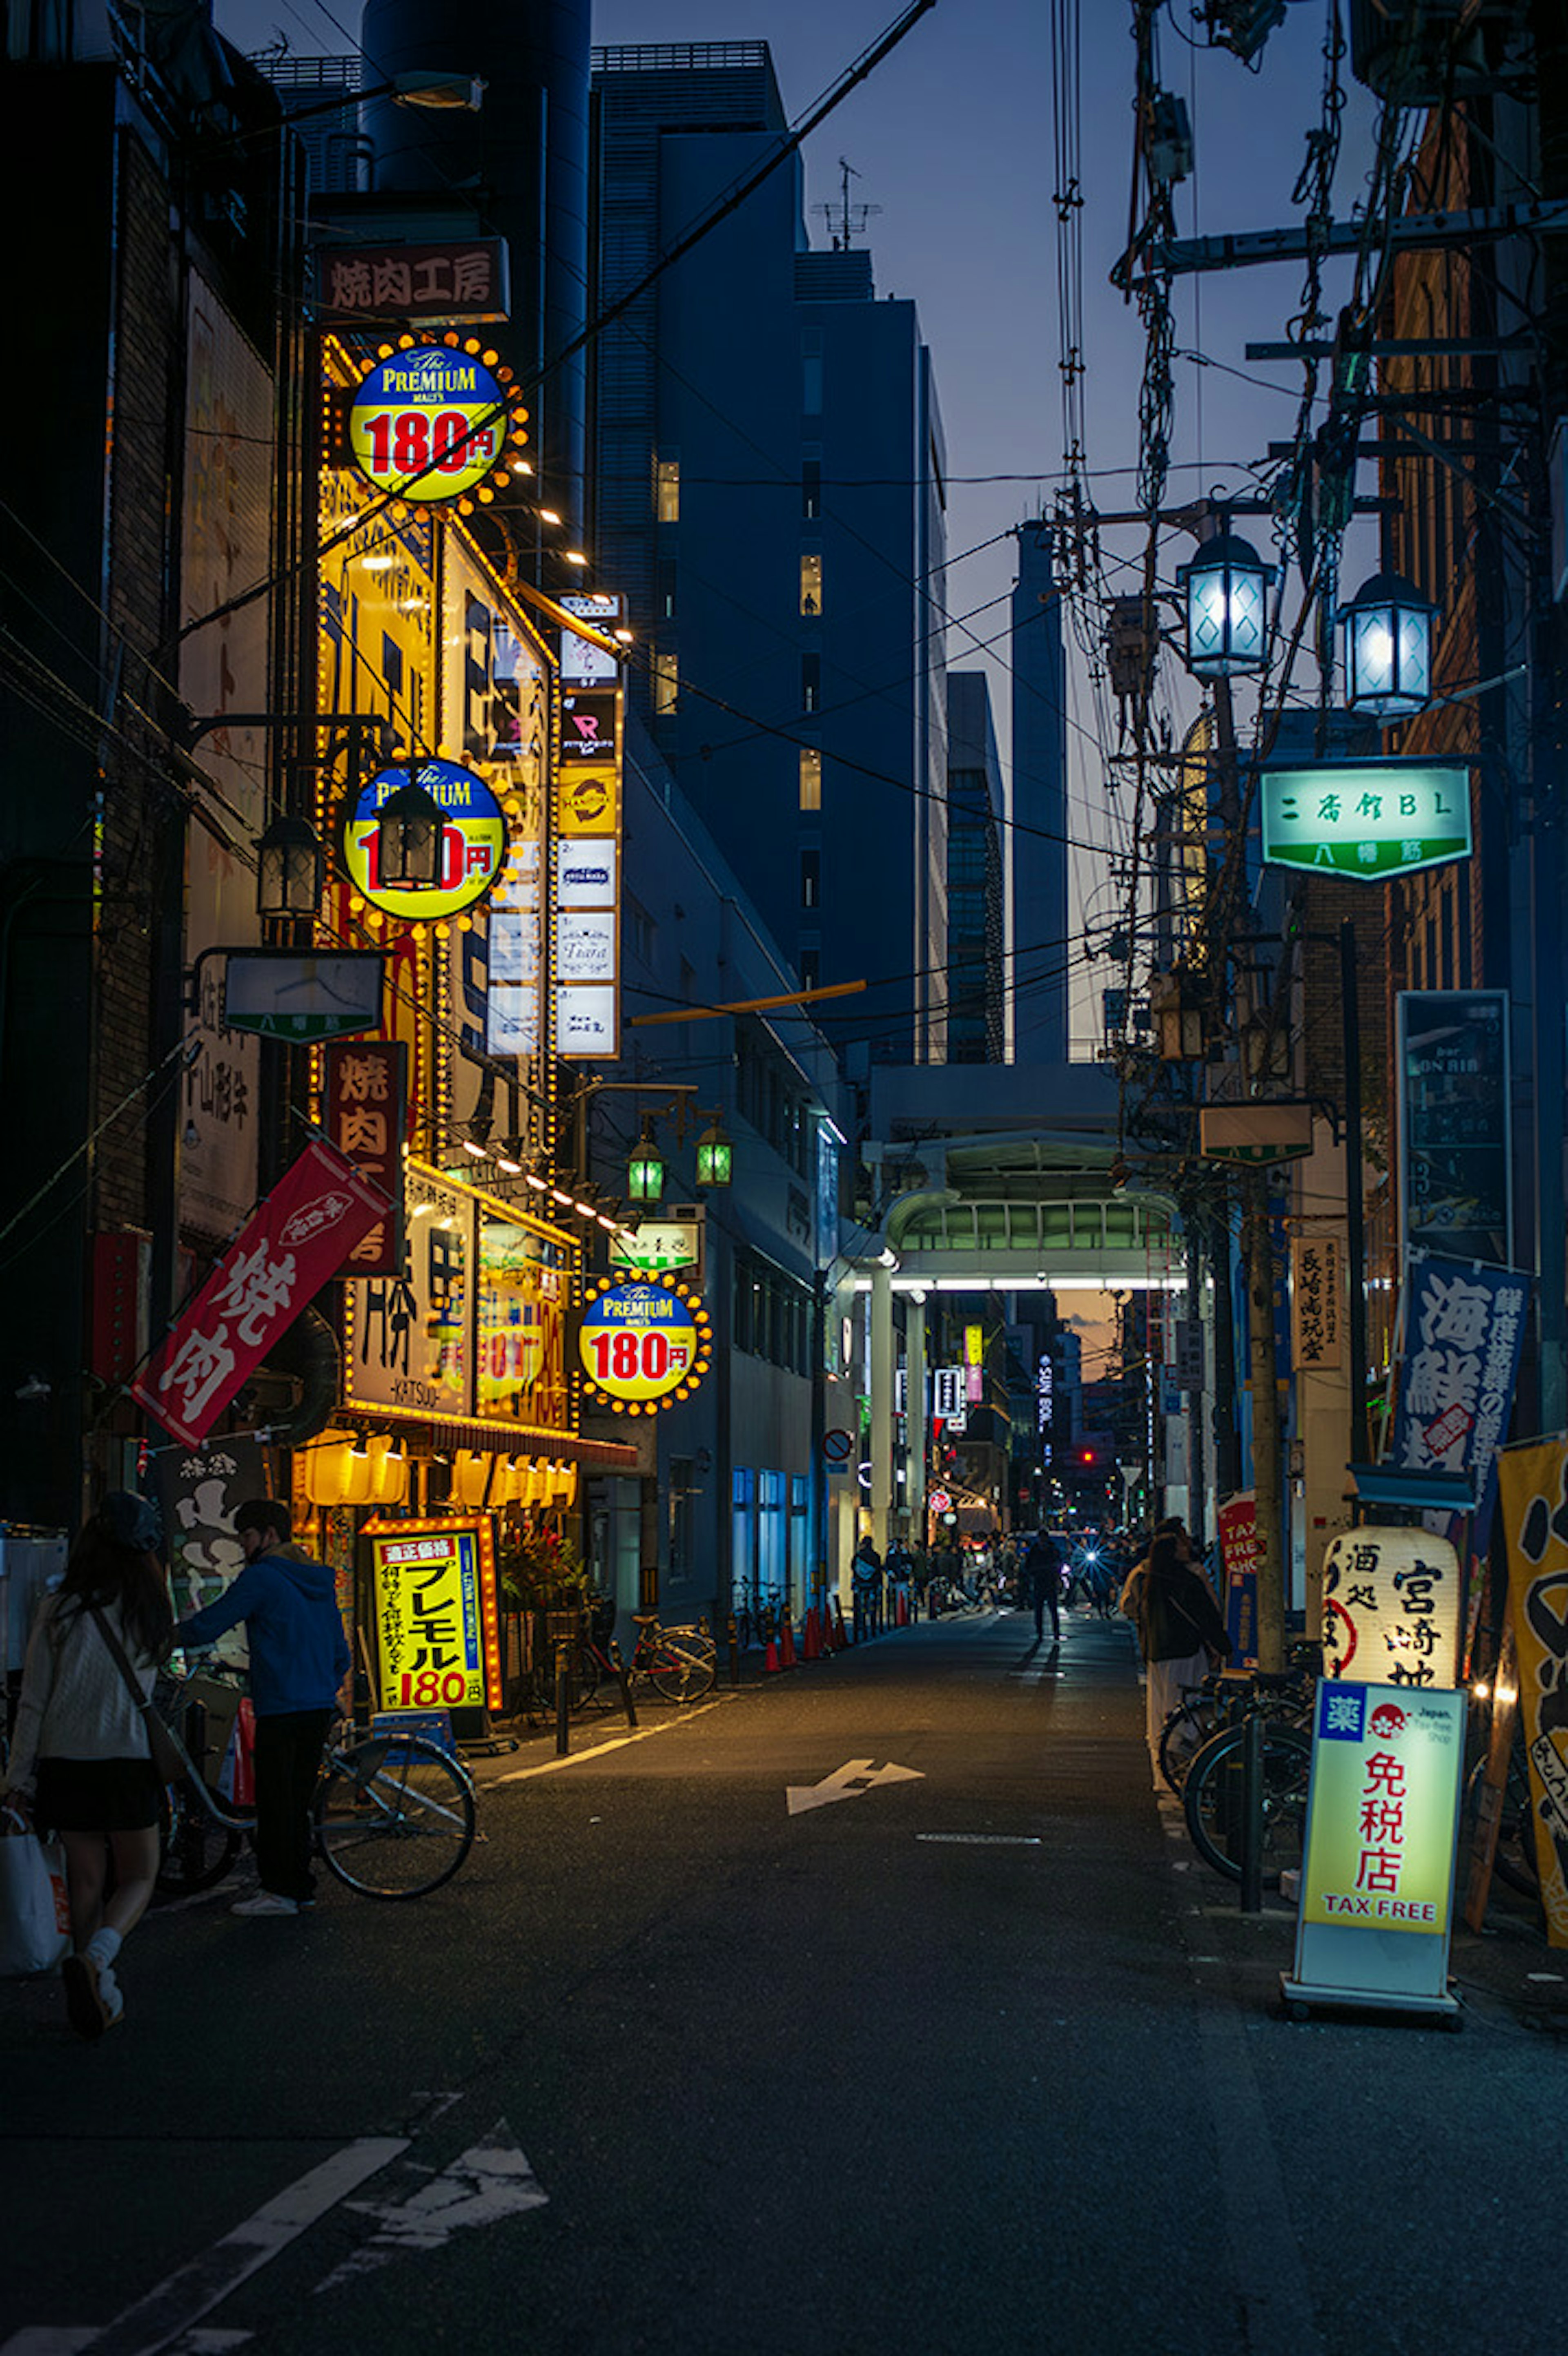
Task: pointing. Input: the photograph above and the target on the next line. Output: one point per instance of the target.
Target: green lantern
(714, 1156)
(644, 1171)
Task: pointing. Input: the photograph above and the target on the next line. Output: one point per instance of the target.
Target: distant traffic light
(1086, 1456)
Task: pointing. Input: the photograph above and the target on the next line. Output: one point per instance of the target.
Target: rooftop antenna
(846, 221)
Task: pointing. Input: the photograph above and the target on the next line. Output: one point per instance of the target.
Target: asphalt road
(973, 2058)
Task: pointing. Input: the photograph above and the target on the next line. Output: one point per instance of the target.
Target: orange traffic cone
(809, 1647)
(771, 1661)
(786, 1642)
(840, 1633)
(903, 1609)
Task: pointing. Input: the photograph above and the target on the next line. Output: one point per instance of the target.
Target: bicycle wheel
(1211, 1796)
(1183, 1735)
(394, 1817)
(681, 1666)
(194, 1851)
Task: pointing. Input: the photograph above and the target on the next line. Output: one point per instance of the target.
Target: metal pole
(624, 1676)
(1355, 1208)
(1253, 1815)
(562, 1696)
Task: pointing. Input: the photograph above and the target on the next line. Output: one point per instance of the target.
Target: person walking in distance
(80, 1763)
(299, 1658)
(866, 1587)
(1042, 1583)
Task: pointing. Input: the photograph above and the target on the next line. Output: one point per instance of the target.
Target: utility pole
(1257, 1256)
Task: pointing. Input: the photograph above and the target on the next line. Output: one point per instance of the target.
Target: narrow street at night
(976, 2056)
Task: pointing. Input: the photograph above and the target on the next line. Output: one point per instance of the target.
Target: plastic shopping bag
(35, 1915)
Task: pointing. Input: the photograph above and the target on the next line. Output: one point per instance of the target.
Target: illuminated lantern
(714, 1156)
(644, 1171)
(1388, 647)
(1225, 594)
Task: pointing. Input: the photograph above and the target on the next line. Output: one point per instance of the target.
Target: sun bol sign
(473, 841)
(430, 423)
(644, 1343)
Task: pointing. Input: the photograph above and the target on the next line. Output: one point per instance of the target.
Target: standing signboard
(438, 1639)
(1455, 1179)
(1377, 1880)
(1533, 1501)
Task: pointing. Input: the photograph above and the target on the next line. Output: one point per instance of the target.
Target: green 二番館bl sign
(1367, 820)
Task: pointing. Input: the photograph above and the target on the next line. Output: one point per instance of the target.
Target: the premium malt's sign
(429, 424)
(472, 843)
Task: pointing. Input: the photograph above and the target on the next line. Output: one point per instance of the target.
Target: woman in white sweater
(80, 1761)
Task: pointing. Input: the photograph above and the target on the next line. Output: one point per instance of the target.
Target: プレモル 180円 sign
(473, 841)
(644, 1343)
(431, 422)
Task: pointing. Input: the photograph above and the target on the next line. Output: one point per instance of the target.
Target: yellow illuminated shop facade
(455, 1452)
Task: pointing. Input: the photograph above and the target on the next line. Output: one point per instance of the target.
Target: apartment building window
(665, 590)
(810, 777)
(811, 372)
(666, 686)
(811, 490)
(810, 878)
(810, 969)
(811, 682)
(639, 929)
(667, 490)
(811, 582)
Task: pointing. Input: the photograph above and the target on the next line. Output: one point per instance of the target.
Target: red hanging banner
(291, 1243)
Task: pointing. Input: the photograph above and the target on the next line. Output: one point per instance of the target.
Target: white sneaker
(265, 1902)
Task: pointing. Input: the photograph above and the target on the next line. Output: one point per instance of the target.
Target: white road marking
(575, 1758)
(159, 2322)
(492, 2180)
(845, 1782)
(987, 1840)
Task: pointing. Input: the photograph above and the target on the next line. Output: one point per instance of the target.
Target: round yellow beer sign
(472, 842)
(429, 423)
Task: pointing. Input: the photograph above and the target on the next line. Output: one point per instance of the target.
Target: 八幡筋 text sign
(291, 1243)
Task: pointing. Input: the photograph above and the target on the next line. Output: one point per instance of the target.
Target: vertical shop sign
(438, 1642)
(198, 1490)
(585, 880)
(364, 1111)
(226, 539)
(1238, 1519)
(1455, 1184)
(1376, 1881)
(409, 1339)
(1464, 1332)
(1316, 1295)
(1392, 1608)
(1533, 1501)
(282, 1255)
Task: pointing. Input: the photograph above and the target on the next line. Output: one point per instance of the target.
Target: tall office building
(768, 471)
(977, 968)
(1042, 949)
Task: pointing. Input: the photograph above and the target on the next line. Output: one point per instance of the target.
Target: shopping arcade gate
(995, 1214)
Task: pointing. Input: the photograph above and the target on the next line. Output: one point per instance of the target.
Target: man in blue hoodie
(299, 1659)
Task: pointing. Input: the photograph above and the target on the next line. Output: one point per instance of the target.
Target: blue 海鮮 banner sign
(1464, 1332)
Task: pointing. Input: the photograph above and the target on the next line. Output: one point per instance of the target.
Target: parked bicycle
(1213, 1789)
(680, 1663)
(394, 1816)
(1222, 1699)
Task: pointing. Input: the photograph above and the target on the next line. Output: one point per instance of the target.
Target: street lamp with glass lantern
(645, 1170)
(409, 829)
(715, 1156)
(289, 870)
(1388, 647)
(1225, 594)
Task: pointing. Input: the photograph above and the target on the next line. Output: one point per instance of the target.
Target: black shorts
(97, 1795)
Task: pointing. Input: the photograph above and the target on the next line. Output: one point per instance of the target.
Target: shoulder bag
(168, 1752)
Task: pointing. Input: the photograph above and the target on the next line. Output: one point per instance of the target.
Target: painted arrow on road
(847, 1782)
